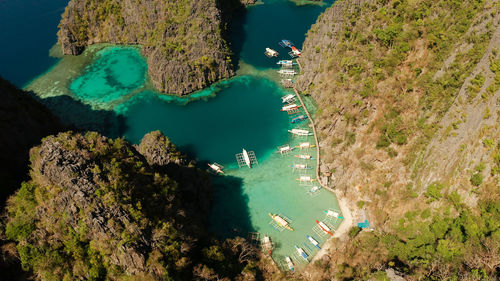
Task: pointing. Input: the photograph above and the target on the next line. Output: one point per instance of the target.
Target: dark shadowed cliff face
(23, 123)
(182, 40)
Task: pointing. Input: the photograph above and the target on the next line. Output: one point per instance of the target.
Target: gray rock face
(74, 174)
(248, 2)
(159, 151)
(182, 40)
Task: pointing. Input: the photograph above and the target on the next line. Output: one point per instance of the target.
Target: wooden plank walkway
(315, 136)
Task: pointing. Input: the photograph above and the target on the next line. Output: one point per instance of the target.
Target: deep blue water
(266, 25)
(28, 30)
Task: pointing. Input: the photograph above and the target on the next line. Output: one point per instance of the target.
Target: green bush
(476, 179)
(434, 191)
(354, 231)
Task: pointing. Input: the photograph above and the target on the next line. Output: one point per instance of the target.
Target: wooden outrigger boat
(299, 119)
(286, 43)
(267, 244)
(334, 214)
(286, 63)
(289, 263)
(313, 241)
(300, 132)
(247, 158)
(314, 189)
(287, 72)
(324, 227)
(216, 168)
(288, 98)
(303, 145)
(285, 149)
(296, 51)
(290, 107)
(271, 53)
(304, 156)
(300, 167)
(306, 179)
(301, 253)
(281, 221)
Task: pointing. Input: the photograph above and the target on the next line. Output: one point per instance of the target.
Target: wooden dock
(315, 137)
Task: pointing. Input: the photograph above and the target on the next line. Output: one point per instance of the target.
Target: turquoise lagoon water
(214, 124)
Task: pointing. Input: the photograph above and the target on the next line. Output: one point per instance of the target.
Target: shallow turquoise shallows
(215, 124)
(115, 73)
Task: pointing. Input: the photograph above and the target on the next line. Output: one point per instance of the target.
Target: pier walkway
(348, 221)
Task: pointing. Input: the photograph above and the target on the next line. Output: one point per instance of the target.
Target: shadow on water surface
(83, 117)
(232, 218)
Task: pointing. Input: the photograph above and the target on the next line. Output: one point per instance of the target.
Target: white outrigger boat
(288, 98)
(300, 167)
(285, 149)
(305, 179)
(301, 253)
(286, 63)
(216, 168)
(314, 189)
(295, 51)
(313, 241)
(324, 227)
(287, 72)
(304, 145)
(281, 221)
(267, 244)
(300, 132)
(289, 263)
(290, 107)
(247, 158)
(304, 156)
(331, 213)
(271, 53)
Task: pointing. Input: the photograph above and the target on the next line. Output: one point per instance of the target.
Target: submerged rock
(182, 40)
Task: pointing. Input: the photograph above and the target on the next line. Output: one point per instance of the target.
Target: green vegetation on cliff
(97, 209)
(183, 40)
(408, 121)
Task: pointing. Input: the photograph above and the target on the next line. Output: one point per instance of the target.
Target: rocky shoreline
(183, 42)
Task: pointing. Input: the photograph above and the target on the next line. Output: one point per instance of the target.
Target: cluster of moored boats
(301, 252)
(287, 66)
(294, 51)
(247, 158)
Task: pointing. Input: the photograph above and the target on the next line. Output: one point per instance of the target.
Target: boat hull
(324, 229)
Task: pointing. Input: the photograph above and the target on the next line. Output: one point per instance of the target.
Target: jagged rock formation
(408, 119)
(95, 208)
(23, 123)
(159, 151)
(182, 40)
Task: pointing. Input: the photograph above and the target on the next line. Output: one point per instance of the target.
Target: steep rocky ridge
(408, 120)
(182, 40)
(102, 209)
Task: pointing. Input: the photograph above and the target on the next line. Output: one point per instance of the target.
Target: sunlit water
(212, 125)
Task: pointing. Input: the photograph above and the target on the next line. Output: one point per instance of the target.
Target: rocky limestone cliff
(103, 196)
(181, 40)
(408, 122)
(102, 209)
(367, 118)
